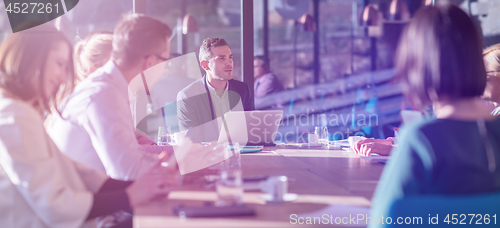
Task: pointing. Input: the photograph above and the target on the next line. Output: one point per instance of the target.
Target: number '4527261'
(32, 8)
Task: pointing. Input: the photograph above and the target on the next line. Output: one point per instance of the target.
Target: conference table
(326, 181)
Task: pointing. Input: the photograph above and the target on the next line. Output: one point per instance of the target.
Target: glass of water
(229, 188)
(323, 134)
(164, 136)
(235, 153)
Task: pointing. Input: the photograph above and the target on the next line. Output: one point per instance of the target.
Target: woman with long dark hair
(439, 62)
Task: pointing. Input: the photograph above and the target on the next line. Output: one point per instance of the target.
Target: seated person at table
(491, 58)
(96, 126)
(92, 53)
(265, 81)
(40, 186)
(439, 62)
(202, 104)
(491, 93)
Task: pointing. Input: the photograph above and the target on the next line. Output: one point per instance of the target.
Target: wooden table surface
(319, 177)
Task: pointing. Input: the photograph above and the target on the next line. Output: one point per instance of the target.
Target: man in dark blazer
(202, 104)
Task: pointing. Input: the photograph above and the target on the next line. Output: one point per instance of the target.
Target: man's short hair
(439, 56)
(137, 36)
(208, 44)
(263, 59)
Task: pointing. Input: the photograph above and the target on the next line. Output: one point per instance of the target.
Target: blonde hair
(491, 56)
(91, 53)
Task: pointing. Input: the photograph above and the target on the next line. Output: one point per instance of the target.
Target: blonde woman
(92, 53)
(491, 93)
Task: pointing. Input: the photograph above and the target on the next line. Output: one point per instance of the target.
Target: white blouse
(39, 186)
(97, 129)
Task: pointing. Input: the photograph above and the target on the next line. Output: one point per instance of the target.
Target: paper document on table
(374, 157)
(343, 142)
(191, 157)
(316, 153)
(340, 215)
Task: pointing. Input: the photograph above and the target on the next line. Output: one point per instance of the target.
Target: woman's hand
(375, 148)
(156, 183)
(366, 147)
(193, 156)
(146, 188)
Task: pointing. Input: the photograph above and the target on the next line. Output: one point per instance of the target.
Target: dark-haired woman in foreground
(40, 187)
(439, 62)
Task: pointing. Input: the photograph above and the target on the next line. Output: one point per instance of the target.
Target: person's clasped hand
(365, 147)
(192, 157)
(156, 183)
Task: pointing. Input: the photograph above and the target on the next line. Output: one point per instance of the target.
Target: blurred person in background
(96, 126)
(265, 81)
(40, 186)
(439, 62)
(491, 58)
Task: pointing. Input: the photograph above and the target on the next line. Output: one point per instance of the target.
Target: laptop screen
(250, 127)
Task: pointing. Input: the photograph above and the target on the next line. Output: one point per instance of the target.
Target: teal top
(439, 157)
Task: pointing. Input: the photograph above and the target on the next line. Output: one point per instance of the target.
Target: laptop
(251, 128)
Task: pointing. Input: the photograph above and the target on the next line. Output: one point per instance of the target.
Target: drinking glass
(235, 159)
(229, 188)
(164, 136)
(323, 134)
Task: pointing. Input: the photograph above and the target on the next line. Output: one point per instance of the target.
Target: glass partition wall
(354, 93)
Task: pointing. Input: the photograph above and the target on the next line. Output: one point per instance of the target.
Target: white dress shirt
(220, 103)
(40, 187)
(194, 111)
(97, 127)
